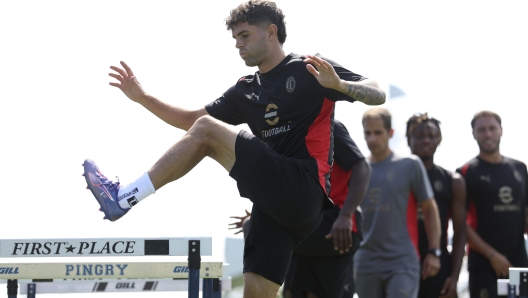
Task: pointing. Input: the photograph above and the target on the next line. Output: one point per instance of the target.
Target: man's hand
(323, 71)
(500, 264)
(127, 82)
(431, 266)
(341, 233)
(240, 223)
(449, 289)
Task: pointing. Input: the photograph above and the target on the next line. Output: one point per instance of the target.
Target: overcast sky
(451, 58)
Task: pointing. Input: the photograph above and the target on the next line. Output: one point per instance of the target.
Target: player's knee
(203, 128)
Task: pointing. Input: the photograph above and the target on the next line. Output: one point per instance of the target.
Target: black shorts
(482, 277)
(432, 286)
(287, 205)
(329, 277)
(483, 283)
(316, 245)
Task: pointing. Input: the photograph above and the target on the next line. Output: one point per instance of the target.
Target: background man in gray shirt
(388, 261)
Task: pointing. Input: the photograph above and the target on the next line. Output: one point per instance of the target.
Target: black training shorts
(329, 277)
(431, 287)
(287, 205)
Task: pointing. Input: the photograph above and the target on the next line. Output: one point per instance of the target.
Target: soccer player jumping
(282, 166)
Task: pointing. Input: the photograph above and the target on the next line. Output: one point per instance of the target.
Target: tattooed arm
(366, 91)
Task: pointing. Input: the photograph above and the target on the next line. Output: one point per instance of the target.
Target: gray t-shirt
(397, 185)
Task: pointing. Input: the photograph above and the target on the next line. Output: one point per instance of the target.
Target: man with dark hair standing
(387, 262)
(322, 264)
(424, 136)
(496, 222)
(283, 167)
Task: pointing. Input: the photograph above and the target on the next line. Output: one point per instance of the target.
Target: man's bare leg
(207, 137)
(257, 286)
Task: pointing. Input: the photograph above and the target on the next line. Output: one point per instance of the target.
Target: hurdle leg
(523, 284)
(194, 268)
(207, 288)
(217, 288)
(12, 288)
(512, 293)
(31, 290)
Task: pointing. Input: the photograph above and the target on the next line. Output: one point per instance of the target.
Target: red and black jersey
(497, 195)
(346, 154)
(442, 183)
(289, 110)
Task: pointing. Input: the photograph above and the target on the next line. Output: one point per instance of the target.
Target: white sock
(133, 193)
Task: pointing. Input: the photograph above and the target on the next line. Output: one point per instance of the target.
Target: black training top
(442, 183)
(497, 195)
(289, 110)
(346, 154)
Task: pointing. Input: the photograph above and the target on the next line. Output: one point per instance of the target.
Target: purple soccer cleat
(104, 190)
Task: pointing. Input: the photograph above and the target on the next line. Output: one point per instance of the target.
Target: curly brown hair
(258, 12)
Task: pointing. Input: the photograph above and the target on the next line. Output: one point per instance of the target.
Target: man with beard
(387, 261)
(423, 137)
(496, 223)
(282, 165)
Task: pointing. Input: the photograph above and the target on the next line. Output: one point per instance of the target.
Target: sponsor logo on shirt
(505, 194)
(275, 131)
(271, 114)
(506, 197)
(374, 201)
(272, 118)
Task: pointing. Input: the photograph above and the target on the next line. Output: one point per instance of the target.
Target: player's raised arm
(367, 91)
(173, 115)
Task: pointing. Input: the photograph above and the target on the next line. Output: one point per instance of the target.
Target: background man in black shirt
(424, 136)
(497, 194)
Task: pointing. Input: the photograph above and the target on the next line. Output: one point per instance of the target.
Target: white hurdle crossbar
(191, 247)
(128, 285)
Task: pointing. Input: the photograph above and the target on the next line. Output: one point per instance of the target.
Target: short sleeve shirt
(397, 185)
(497, 196)
(289, 110)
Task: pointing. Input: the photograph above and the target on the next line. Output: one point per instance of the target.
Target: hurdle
(117, 286)
(516, 286)
(192, 270)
